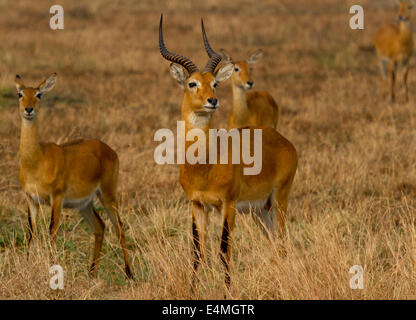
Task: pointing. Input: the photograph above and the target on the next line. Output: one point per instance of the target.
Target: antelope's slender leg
(228, 213)
(55, 216)
(383, 69)
(110, 206)
(265, 217)
(98, 227)
(32, 212)
(281, 198)
(392, 74)
(280, 205)
(199, 235)
(406, 89)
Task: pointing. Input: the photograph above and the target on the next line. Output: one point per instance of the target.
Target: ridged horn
(174, 57)
(215, 58)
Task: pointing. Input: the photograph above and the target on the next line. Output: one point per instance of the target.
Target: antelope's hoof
(129, 273)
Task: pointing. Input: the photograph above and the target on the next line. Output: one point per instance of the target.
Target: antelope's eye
(215, 85)
(20, 95)
(236, 69)
(39, 95)
(192, 84)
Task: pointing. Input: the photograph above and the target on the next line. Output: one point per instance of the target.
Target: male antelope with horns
(66, 176)
(250, 108)
(223, 186)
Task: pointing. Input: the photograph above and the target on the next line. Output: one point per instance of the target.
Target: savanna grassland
(353, 199)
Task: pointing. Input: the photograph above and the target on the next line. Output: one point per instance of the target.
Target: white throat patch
(199, 120)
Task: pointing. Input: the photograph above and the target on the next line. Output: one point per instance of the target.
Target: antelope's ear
(19, 83)
(224, 72)
(48, 84)
(255, 57)
(179, 74)
(226, 58)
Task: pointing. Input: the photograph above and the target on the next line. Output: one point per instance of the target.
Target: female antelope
(250, 108)
(223, 186)
(394, 46)
(67, 175)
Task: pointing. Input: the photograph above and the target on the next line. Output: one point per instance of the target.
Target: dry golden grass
(353, 199)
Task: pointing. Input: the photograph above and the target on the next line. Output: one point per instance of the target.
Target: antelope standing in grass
(394, 47)
(250, 108)
(66, 176)
(223, 186)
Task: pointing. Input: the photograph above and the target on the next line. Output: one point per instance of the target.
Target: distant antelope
(250, 108)
(67, 175)
(223, 186)
(394, 46)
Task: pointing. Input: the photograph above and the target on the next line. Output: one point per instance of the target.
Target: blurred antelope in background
(394, 47)
(250, 108)
(66, 176)
(223, 186)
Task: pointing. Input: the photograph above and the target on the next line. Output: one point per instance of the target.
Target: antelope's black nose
(213, 101)
(28, 110)
(250, 84)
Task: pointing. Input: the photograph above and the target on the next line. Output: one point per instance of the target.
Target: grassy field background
(353, 199)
